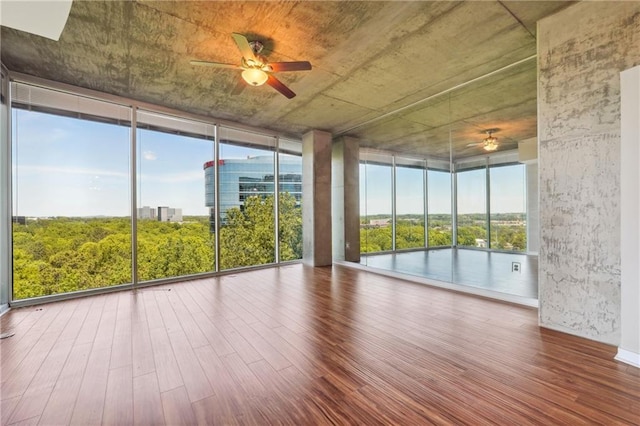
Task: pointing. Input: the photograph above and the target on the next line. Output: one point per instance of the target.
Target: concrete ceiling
(398, 75)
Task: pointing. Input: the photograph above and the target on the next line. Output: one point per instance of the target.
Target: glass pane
(246, 186)
(174, 236)
(71, 203)
(375, 208)
(508, 208)
(472, 209)
(439, 207)
(409, 207)
(290, 208)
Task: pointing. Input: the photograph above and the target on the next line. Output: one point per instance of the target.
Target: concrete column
(316, 198)
(629, 348)
(581, 52)
(345, 170)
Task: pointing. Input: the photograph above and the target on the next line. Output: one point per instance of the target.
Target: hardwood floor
(300, 345)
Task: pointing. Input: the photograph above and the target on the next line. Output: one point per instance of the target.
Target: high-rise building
(169, 214)
(245, 177)
(146, 212)
(162, 214)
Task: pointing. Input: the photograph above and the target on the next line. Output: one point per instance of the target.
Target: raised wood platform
(300, 345)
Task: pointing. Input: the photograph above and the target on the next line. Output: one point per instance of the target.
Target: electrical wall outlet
(515, 267)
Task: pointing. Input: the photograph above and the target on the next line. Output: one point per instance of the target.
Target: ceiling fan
(255, 69)
(490, 143)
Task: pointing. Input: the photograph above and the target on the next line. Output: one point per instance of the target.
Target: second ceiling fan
(255, 69)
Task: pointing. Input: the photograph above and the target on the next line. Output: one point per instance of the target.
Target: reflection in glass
(439, 207)
(409, 207)
(508, 207)
(173, 234)
(375, 208)
(472, 208)
(71, 201)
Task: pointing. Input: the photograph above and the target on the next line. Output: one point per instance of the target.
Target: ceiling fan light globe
(490, 144)
(255, 76)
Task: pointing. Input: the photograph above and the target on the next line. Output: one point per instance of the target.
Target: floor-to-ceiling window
(71, 205)
(80, 166)
(289, 200)
(173, 233)
(246, 198)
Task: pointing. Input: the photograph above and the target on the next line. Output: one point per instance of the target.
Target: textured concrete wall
(581, 52)
(316, 198)
(345, 182)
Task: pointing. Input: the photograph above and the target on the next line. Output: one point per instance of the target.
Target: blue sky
(71, 167)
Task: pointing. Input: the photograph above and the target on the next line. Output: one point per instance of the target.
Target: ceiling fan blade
(244, 46)
(280, 87)
(290, 66)
(214, 64)
(239, 87)
(473, 144)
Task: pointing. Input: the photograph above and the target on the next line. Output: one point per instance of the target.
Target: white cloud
(149, 155)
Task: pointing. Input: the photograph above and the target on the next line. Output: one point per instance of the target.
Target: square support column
(345, 169)
(316, 198)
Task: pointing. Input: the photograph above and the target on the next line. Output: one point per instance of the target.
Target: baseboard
(628, 357)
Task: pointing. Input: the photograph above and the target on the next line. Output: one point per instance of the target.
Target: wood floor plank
(118, 402)
(121, 351)
(28, 422)
(241, 345)
(213, 335)
(189, 325)
(167, 368)
(7, 406)
(15, 349)
(61, 402)
(213, 411)
(90, 323)
(141, 347)
(229, 395)
(154, 319)
(266, 350)
(19, 379)
(193, 377)
(91, 398)
(242, 375)
(34, 399)
(147, 404)
(177, 408)
(300, 345)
